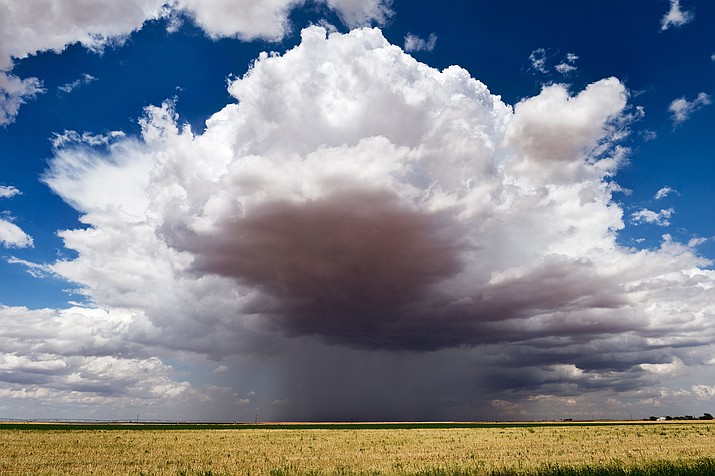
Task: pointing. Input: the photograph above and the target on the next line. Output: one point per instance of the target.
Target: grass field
(550, 449)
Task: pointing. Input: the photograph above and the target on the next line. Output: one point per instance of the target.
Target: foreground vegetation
(499, 450)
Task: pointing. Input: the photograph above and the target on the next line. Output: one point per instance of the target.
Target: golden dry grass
(315, 452)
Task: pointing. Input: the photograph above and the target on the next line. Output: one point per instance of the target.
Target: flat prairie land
(281, 450)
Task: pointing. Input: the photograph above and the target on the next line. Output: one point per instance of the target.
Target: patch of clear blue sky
(491, 39)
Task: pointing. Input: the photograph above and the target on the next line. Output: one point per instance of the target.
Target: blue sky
(406, 198)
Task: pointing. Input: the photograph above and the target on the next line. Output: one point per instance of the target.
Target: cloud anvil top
(352, 214)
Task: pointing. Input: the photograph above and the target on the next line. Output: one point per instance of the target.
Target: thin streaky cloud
(540, 57)
(36, 270)
(69, 87)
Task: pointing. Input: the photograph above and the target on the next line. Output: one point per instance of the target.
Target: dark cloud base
(350, 266)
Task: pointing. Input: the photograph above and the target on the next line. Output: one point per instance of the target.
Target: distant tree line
(706, 416)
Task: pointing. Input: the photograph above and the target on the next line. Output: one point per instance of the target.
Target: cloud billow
(355, 196)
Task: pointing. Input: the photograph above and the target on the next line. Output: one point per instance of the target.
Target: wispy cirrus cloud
(7, 191)
(541, 61)
(676, 16)
(664, 192)
(88, 138)
(568, 65)
(538, 60)
(71, 86)
(14, 92)
(415, 43)
(681, 108)
(36, 270)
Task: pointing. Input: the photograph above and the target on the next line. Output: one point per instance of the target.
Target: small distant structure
(706, 416)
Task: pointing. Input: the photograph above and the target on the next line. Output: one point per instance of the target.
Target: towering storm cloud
(359, 202)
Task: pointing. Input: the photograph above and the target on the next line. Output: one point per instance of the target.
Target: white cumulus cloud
(269, 19)
(12, 235)
(554, 126)
(80, 357)
(245, 19)
(355, 13)
(661, 218)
